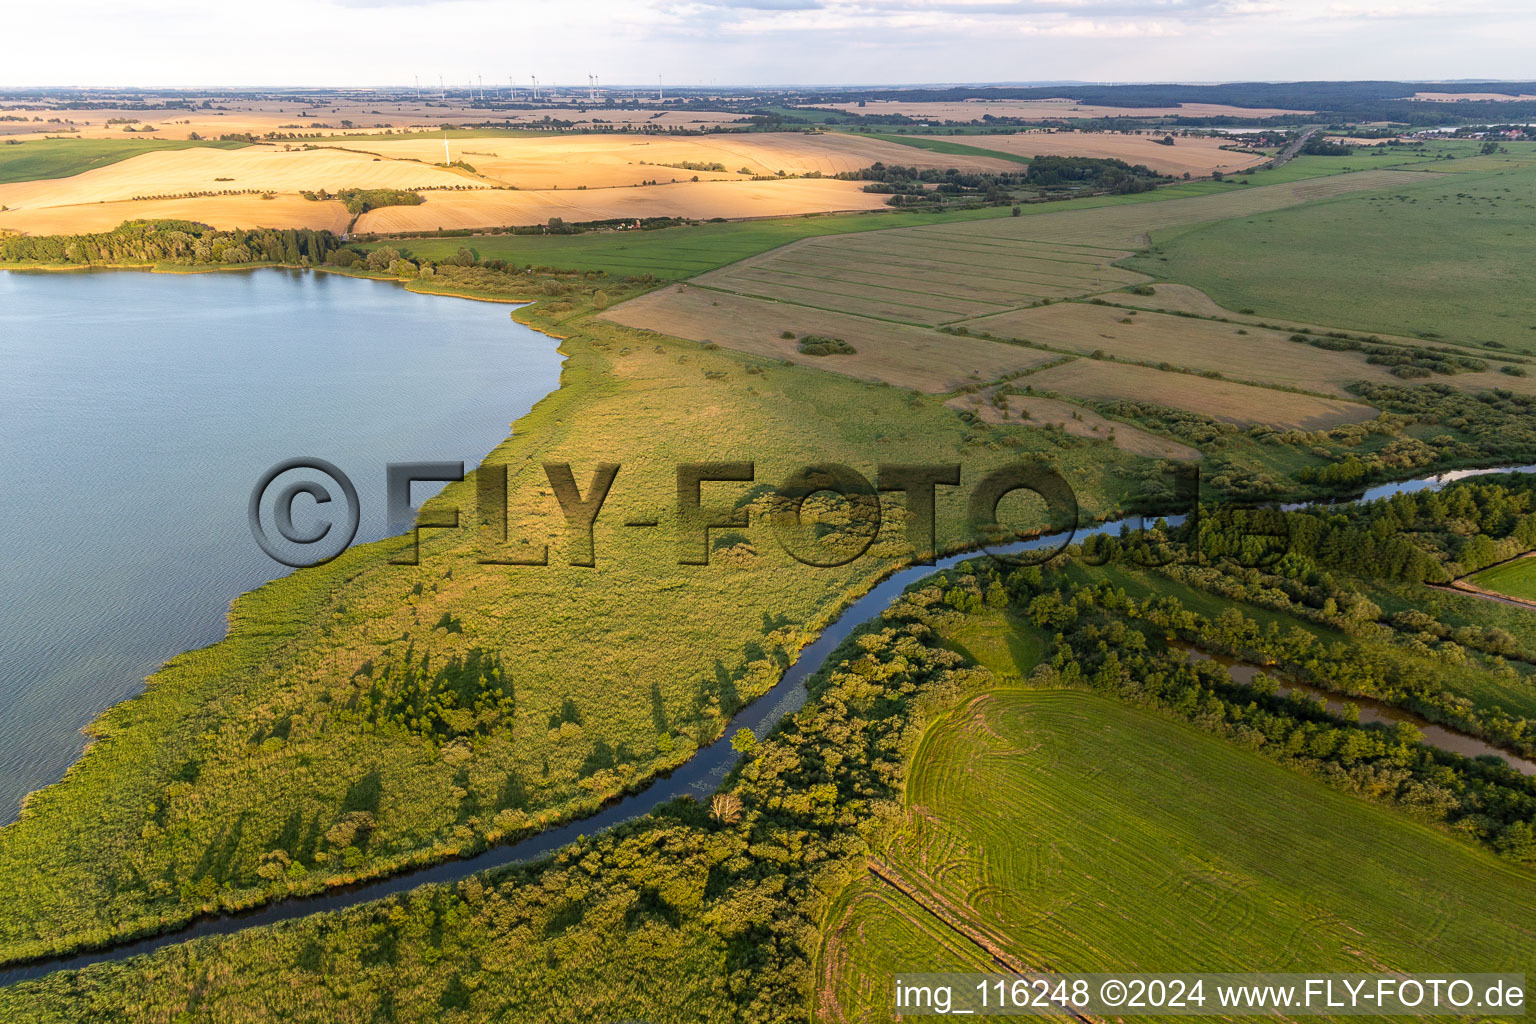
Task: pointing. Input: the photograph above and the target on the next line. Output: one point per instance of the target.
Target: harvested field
(905, 356)
(947, 272)
(701, 200)
(1195, 156)
(1176, 298)
(607, 160)
(1255, 354)
(284, 211)
(1061, 108)
(259, 118)
(1095, 380)
(176, 173)
(928, 275)
(1076, 420)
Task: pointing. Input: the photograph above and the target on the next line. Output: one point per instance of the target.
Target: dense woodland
(172, 241)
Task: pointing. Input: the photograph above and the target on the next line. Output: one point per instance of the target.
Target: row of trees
(172, 241)
(1102, 641)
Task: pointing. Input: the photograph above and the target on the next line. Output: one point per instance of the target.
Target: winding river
(699, 776)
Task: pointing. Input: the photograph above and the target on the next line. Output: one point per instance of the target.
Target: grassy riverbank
(365, 715)
(339, 732)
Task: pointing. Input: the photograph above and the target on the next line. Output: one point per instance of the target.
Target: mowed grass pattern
(955, 270)
(1515, 579)
(927, 276)
(1078, 834)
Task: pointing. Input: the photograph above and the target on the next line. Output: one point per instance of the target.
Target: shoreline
(92, 730)
(244, 627)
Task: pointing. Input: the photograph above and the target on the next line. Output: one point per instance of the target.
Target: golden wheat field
(1096, 380)
(702, 200)
(607, 159)
(906, 356)
(281, 211)
(305, 119)
(1060, 108)
(168, 173)
(508, 181)
(1197, 156)
(1237, 351)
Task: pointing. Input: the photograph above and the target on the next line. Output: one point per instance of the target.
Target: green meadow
(936, 145)
(1517, 579)
(1074, 833)
(1442, 260)
(37, 159)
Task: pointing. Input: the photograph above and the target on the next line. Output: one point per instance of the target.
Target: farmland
(1515, 579)
(1059, 108)
(899, 354)
(1073, 419)
(930, 276)
(990, 276)
(610, 160)
(1151, 847)
(295, 117)
(57, 187)
(1359, 263)
(668, 253)
(365, 716)
(703, 200)
(431, 787)
(1198, 156)
(1093, 380)
(1252, 354)
(62, 158)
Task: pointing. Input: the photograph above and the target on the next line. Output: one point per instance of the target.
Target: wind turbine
(535, 79)
(447, 157)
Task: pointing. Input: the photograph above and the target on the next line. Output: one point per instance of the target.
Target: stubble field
(1194, 156)
(1239, 352)
(1094, 380)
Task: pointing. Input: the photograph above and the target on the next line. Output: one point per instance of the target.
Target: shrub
(821, 345)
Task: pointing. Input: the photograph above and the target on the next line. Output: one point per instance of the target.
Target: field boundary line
(807, 305)
(885, 873)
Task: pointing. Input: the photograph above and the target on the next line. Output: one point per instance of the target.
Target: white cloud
(701, 42)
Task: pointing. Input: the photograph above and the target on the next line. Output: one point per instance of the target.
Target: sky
(191, 43)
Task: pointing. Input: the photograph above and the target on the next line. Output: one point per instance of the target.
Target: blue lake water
(138, 411)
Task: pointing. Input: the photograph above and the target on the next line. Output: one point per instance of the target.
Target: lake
(139, 410)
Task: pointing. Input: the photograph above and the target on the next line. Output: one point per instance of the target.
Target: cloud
(766, 5)
(377, 4)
